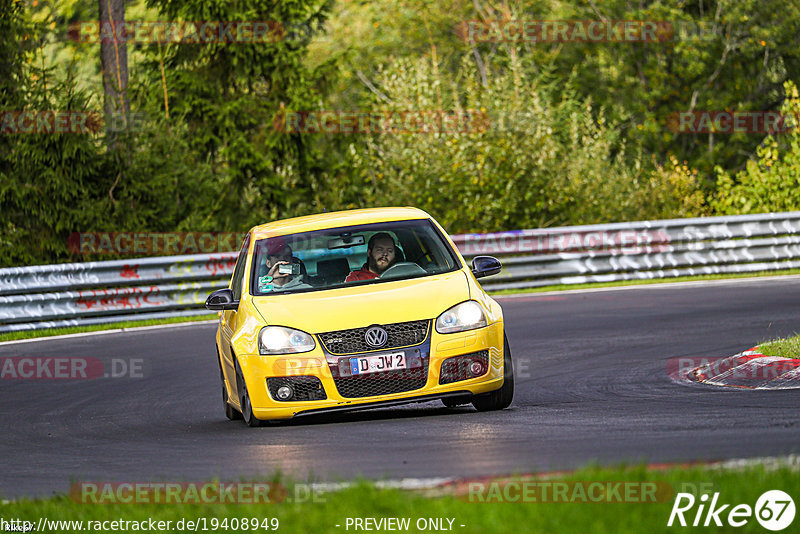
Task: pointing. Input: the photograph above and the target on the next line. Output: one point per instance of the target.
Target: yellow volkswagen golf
(357, 309)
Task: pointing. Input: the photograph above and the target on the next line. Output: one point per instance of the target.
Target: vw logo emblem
(376, 337)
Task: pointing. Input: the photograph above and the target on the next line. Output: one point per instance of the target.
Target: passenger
(381, 254)
(278, 254)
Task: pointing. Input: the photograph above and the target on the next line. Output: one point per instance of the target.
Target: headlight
(282, 340)
(465, 316)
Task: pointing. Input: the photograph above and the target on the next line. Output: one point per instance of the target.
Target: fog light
(476, 368)
(284, 393)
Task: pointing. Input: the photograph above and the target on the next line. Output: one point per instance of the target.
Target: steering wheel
(403, 268)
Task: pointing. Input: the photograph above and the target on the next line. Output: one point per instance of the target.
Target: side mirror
(222, 299)
(485, 266)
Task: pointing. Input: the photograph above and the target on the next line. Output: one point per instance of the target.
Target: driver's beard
(374, 267)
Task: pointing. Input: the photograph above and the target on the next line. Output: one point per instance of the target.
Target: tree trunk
(114, 59)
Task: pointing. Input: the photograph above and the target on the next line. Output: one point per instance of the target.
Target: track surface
(591, 383)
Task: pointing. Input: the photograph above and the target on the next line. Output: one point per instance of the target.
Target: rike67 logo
(774, 510)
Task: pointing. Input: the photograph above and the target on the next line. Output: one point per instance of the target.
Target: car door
(229, 319)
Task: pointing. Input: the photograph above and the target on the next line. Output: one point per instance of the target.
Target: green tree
(229, 95)
(545, 157)
(716, 55)
(44, 178)
(772, 181)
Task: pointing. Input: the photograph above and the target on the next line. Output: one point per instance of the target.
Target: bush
(772, 181)
(544, 159)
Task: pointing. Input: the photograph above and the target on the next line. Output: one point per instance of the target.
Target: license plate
(377, 363)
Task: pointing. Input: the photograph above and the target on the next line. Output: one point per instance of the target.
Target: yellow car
(357, 309)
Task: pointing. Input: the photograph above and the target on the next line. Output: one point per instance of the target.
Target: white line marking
(114, 331)
(657, 285)
(403, 484)
(791, 461)
(746, 370)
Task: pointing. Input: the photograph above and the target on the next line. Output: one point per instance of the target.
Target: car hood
(354, 307)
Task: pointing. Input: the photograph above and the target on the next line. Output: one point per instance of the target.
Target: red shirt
(363, 274)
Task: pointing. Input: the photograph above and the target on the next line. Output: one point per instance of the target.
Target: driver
(381, 254)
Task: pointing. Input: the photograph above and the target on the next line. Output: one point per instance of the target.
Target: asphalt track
(592, 385)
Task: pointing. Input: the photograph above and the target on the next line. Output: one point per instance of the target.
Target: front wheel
(230, 411)
(501, 398)
(244, 398)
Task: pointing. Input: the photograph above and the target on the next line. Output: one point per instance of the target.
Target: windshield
(348, 256)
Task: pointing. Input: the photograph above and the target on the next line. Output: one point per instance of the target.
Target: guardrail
(639, 250)
(49, 296)
(71, 294)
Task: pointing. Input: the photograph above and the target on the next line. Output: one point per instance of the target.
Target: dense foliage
(563, 132)
(770, 182)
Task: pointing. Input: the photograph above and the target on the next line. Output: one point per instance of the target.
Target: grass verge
(784, 348)
(573, 511)
(28, 334)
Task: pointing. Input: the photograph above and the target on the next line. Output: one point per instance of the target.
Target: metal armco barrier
(49, 296)
(71, 294)
(639, 250)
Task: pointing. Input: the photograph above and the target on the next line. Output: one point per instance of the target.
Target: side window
(238, 271)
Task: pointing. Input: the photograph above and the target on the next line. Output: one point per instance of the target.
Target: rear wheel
(501, 398)
(244, 398)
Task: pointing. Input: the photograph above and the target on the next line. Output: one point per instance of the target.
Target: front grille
(367, 385)
(305, 388)
(456, 368)
(352, 341)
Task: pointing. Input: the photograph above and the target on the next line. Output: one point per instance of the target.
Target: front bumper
(317, 363)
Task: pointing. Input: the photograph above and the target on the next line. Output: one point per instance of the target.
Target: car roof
(336, 219)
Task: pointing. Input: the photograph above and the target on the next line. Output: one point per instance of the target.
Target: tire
(230, 412)
(244, 398)
(501, 398)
